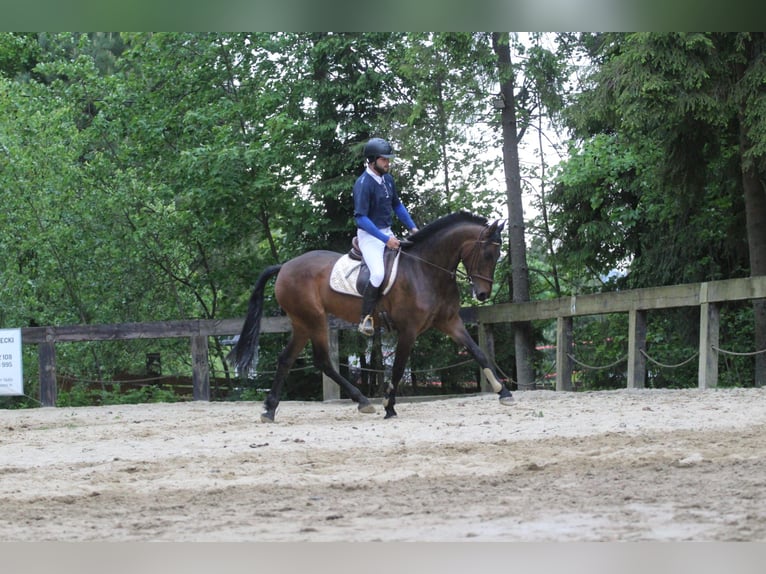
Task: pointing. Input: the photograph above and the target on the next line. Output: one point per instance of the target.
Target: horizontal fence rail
(707, 296)
(636, 302)
(197, 331)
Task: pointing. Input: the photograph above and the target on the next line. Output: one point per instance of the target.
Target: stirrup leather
(367, 326)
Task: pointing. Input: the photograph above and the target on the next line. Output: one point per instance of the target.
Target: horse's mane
(433, 228)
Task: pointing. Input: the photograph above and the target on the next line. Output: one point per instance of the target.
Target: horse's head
(480, 258)
(460, 236)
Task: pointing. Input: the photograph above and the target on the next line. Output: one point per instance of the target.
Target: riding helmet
(376, 148)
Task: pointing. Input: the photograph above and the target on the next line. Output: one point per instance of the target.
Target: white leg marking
(496, 386)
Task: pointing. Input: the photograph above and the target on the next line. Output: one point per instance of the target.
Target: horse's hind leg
(284, 364)
(323, 362)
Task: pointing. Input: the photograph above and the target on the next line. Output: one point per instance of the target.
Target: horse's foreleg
(460, 335)
(403, 350)
(323, 362)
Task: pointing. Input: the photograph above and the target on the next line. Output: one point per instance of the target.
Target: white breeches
(372, 250)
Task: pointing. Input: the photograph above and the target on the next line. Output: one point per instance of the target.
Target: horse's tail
(245, 352)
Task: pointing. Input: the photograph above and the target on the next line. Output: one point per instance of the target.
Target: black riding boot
(369, 300)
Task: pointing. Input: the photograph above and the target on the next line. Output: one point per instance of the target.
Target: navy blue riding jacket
(374, 204)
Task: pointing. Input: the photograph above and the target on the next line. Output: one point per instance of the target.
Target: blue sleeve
(404, 216)
(366, 223)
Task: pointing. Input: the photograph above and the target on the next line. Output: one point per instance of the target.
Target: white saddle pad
(346, 271)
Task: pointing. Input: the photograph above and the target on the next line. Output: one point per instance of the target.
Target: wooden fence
(707, 296)
(197, 331)
(637, 303)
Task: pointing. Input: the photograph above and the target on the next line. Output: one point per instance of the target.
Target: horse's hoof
(390, 414)
(507, 401)
(267, 417)
(367, 409)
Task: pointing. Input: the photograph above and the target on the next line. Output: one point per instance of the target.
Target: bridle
(473, 256)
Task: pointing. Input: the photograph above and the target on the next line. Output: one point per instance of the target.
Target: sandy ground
(633, 465)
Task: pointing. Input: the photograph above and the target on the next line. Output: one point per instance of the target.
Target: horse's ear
(495, 229)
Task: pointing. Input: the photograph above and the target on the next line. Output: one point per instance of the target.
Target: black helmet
(376, 148)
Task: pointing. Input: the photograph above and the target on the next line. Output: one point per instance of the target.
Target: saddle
(350, 273)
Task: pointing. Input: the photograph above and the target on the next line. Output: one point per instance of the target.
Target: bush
(82, 396)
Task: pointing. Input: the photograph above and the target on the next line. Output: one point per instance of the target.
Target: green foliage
(672, 342)
(653, 187)
(19, 402)
(18, 54)
(251, 394)
(80, 396)
(597, 203)
(736, 359)
(600, 350)
(151, 176)
(443, 122)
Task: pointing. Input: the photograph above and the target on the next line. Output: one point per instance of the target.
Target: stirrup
(366, 326)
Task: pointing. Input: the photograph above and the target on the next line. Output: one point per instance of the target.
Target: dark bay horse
(425, 295)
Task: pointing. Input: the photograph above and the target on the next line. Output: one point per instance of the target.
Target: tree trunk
(523, 339)
(755, 215)
(755, 212)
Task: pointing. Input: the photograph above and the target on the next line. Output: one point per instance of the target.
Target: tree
(546, 70)
(444, 123)
(152, 175)
(687, 112)
(523, 337)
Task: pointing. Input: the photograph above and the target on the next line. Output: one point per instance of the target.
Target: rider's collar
(375, 176)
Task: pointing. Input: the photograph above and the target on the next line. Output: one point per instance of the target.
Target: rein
(452, 274)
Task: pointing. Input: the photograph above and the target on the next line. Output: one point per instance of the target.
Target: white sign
(11, 381)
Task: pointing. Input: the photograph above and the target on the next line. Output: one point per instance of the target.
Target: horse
(424, 295)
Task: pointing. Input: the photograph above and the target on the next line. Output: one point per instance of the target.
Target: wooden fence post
(708, 352)
(564, 347)
(636, 349)
(200, 368)
(46, 355)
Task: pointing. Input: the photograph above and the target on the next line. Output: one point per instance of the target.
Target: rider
(375, 199)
